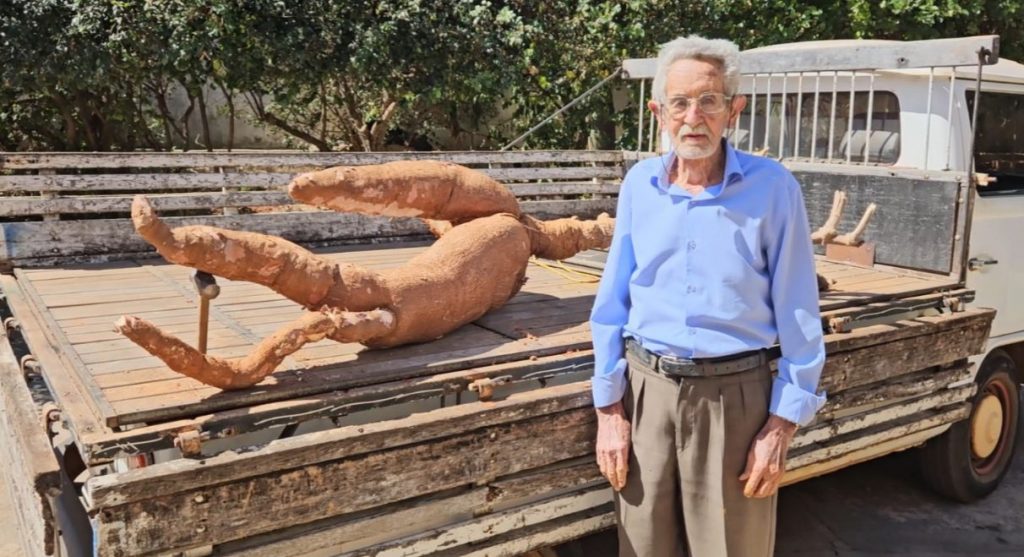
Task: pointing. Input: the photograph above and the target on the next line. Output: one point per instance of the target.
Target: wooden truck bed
(123, 385)
(478, 443)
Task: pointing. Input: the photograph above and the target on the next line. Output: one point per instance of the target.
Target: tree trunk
(204, 122)
(229, 99)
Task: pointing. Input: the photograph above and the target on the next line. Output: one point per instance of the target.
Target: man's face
(696, 112)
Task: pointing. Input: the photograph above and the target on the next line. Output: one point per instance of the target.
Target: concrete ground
(883, 508)
(873, 509)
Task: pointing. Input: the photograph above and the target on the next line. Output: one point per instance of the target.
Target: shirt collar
(733, 172)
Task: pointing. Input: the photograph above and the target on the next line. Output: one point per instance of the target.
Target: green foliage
(361, 74)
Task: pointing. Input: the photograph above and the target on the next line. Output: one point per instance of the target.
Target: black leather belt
(674, 366)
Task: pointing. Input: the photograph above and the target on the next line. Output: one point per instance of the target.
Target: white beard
(689, 151)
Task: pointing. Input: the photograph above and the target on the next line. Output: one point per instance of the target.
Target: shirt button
(690, 289)
(691, 245)
(693, 332)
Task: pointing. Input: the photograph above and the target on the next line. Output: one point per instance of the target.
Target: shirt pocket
(742, 246)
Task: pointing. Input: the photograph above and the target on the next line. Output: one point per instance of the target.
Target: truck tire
(969, 460)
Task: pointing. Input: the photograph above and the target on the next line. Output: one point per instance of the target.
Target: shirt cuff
(609, 388)
(794, 404)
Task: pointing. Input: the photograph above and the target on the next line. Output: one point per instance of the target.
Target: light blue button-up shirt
(726, 271)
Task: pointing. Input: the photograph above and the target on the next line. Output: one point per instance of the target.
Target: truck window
(999, 141)
(884, 143)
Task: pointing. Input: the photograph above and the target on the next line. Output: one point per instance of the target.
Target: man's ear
(739, 102)
(655, 109)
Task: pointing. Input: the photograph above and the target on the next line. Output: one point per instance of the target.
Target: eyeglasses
(708, 103)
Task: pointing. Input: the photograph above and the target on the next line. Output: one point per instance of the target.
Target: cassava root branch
(854, 238)
(827, 231)
(475, 266)
(249, 370)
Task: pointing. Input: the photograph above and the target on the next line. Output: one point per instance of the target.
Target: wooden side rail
(63, 208)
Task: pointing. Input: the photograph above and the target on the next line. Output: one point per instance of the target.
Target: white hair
(720, 51)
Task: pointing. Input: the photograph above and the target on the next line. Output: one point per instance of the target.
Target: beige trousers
(690, 440)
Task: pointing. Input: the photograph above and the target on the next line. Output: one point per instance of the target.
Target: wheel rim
(990, 427)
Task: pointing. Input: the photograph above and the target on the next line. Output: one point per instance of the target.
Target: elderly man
(710, 265)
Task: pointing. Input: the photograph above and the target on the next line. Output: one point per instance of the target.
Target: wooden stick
(828, 230)
(854, 238)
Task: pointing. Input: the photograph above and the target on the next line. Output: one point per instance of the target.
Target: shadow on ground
(881, 508)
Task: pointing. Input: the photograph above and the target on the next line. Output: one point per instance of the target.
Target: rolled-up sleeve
(611, 309)
(794, 292)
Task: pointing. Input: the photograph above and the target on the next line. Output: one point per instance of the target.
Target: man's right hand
(613, 444)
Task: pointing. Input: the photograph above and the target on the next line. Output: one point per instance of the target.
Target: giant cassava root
(476, 265)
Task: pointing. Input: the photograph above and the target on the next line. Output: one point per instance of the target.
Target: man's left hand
(766, 460)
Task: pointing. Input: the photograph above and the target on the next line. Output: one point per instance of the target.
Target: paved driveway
(882, 508)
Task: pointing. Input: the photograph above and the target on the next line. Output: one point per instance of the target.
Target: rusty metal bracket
(484, 387)
(953, 303)
(839, 324)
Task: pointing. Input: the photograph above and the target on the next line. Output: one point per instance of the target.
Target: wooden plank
(30, 467)
(849, 55)
(898, 443)
(25, 240)
(330, 375)
(453, 540)
(73, 398)
(28, 240)
(545, 534)
(840, 446)
(331, 404)
(216, 182)
(105, 203)
(893, 411)
(329, 445)
(903, 386)
(366, 531)
(214, 514)
(236, 159)
(853, 362)
(966, 321)
(56, 339)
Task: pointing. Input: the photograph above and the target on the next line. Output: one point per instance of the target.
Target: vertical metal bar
(650, 128)
(967, 185)
(849, 118)
(949, 117)
(782, 117)
(928, 116)
(799, 113)
(871, 110)
(814, 122)
(640, 118)
(832, 118)
(768, 114)
(982, 56)
(753, 113)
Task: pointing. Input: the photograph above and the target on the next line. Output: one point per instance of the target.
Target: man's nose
(693, 114)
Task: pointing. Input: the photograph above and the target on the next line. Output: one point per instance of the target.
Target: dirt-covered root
(239, 373)
(437, 227)
(287, 268)
(429, 189)
(828, 229)
(474, 268)
(563, 238)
